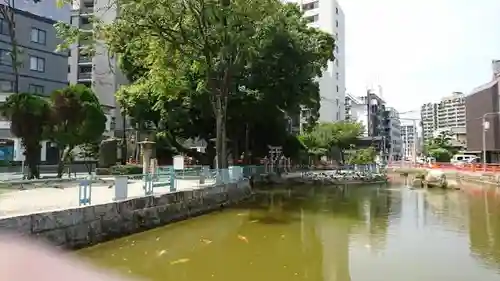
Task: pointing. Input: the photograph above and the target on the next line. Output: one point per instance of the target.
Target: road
(21, 202)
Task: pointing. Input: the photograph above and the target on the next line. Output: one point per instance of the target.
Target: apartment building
(448, 113)
(100, 72)
(356, 110)
(328, 16)
(428, 115)
(408, 138)
(395, 150)
(483, 101)
(41, 70)
(370, 110)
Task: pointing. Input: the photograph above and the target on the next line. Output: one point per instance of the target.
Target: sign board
(178, 162)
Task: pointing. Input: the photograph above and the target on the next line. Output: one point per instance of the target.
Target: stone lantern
(147, 152)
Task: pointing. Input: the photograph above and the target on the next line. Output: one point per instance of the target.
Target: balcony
(84, 59)
(87, 10)
(85, 76)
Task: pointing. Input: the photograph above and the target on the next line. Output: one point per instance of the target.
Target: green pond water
(362, 233)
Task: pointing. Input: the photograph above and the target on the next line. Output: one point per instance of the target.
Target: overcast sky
(420, 50)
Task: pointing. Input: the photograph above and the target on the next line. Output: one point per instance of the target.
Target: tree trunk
(218, 136)
(247, 145)
(62, 160)
(32, 152)
(210, 155)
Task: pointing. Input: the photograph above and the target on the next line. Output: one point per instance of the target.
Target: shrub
(125, 170)
(102, 171)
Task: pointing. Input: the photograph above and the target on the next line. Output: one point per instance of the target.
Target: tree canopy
(77, 119)
(440, 147)
(30, 117)
(70, 117)
(231, 73)
(325, 137)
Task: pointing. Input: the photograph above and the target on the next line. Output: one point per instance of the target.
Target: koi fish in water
(243, 238)
(179, 261)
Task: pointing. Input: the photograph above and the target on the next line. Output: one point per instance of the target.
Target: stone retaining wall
(84, 226)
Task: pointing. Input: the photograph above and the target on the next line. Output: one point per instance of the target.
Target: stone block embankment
(462, 178)
(84, 226)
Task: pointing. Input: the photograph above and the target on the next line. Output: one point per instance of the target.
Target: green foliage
(120, 170)
(89, 152)
(440, 147)
(126, 170)
(325, 136)
(241, 70)
(30, 119)
(77, 118)
(363, 156)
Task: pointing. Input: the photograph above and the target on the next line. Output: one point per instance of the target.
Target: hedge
(120, 170)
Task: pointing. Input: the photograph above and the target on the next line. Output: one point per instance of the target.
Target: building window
(37, 64)
(337, 10)
(38, 36)
(337, 62)
(6, 86)
(336, 23)
(312, 18)
(4, 27)
(337, 100)
(310, 6)
(337, 75)
(5, 58)
(36, 89)
(337, 89)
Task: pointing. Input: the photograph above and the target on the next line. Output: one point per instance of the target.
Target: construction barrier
(463, 167)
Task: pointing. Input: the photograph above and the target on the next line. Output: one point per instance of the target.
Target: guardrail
(464, 167)
(165, 180)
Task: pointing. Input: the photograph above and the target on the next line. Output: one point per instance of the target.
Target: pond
(360, 233)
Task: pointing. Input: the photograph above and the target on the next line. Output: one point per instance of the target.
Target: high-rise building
(481, 103)
(395, 150)
(408, 139)
(446, 114)
(327, 15)
(41, 70)
(100, 72)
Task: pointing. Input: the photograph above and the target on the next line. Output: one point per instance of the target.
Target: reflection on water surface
(360, 233)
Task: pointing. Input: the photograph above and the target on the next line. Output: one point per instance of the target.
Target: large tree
(224, 54)
(30, 118)
(325, 137)
(440, 147)
(77, 119)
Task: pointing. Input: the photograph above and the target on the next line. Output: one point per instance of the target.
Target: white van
(464, 159)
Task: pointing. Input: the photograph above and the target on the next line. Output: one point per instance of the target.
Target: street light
(486, 126)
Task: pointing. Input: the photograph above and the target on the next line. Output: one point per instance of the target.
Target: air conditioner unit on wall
(496, 68)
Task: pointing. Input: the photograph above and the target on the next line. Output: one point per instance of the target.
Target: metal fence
(165, 179)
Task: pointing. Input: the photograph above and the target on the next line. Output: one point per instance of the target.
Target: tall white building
(327, 15)
(408, 137)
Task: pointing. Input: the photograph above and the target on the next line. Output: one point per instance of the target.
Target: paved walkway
(44, 199)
